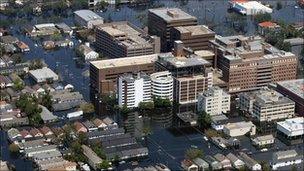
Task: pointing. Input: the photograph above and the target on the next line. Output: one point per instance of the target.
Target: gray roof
(32, 144)
(46, 115)
(232, 157)
(43, 148)
(43, 73)
(283, 156)
(46, 155)
(250, 162)
(200, 162)
(181, 62)
(105, 133)
(88, 15)
(172, 14)
(91, 155)
(264, 138)
(118, 142)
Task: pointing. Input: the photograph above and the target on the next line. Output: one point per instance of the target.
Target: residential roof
(34, 131)
(40, 149)
(268, 24)
(32, 143)
(200, 162)
(232, 157)
(248, 160)
(127, 61)
(264, 138)
(79, 126)
(88, 15)
(172, 14)
(98, 122)
(8, 39)
(47, 115)
(220, 157)
(91, 155)
(45, 130)
(43, 73)
(47, 155)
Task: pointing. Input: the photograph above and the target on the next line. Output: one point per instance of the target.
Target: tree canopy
(193, 153)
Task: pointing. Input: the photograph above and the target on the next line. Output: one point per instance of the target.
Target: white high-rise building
(134, 89)
(214, 101)
(162, 85)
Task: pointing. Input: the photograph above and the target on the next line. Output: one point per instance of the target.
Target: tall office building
(196, 37)
(248, 63)
(214, 101)
(134, 89)
(162, 85)
(122, 39)
(162, 20)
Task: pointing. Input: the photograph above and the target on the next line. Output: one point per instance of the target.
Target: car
(205, 138)
(264, 150)
(193, 146)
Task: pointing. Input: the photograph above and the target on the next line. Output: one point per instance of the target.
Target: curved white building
(162, 84)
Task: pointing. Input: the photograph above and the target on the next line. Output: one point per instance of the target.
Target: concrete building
(239, 129)
(133, 89)
(291, 131)
(294, 90)
(249, 7)
(285, 158)
(104, 73)
(248, 63)
(268, 27)
(162, 20)
(208, 55)
(235, 161)
(263, 141)
(122, 39)
(195, 37)
(191, 74)
(162, 85)
(87, 53)
(87, 18)
(250, 162)
(266, 105)
(93, 158)
(214, 101)
(43, 75)
(218, 121)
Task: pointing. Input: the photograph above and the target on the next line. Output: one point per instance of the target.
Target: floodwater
(164, 146)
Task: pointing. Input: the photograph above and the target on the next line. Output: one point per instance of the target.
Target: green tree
(262, 17)
(87, 108)
(46, 100)
(193, 153)
(18, 85)
(161, 102)
(204, 120)
(97, 148)
(146, 106)
(82, 138)
(104, 164)
(294, 168)
(13, 148)
(265, 166)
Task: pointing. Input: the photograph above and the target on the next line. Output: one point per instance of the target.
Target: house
(59, 132)
(64, 43)
(188, 165)
(58, 86)
(10, 48)
(38, 89)
(32, 144)
(3, 31)
(218, 121)
(43, 75)
(286, 158)
(93, 159)
(89, 125)
(268, 27)
(263, 141)
(22, 46)
(202, 164)
(250, 162)
(48, 45)
(46, 131)
(47, 116)
(239, 128)
(64, 100)
(44, 149)
(9, 120)
(64, 28)
(223, 160)
(35, 132)
(87, 53)
(25, 134)
(99, 123)
(79, 127)
(236, 162)
(67, 166)
(69, 87)
(48, 88)
(14, 135)
(5, 82)
(213, 163)
(110, 123)
(8, 39)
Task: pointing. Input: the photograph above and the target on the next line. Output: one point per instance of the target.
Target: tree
(87, 108)
(18, 85)
(13, 148)
(193, 153)
(294, 168)
(82, 138)
(146, 105)
(104, 164)
(262, 17)
(46, 100)
(36, 64)
(204, 120)
(97, 148)
(161, 102)
(265, 166)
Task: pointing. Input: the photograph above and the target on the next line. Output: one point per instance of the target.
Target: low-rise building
(14, 135)
(87, 18)
(64, 100)
(263, 141)
(250, 162)
(93, 158)
(87, 53)
(89, 125)
(268, 27)
(223, 160)
(47, 116)
(79, 127)
(285, 158)
(43, 75)
(213, 163)
(214, 101)
(236, 162)
(291, 131)
(218, 121)
(99, 123)
(249, 7)
(36, 133)
(202, 164)
(239, 129)
(32, 151)
(96, 136)
(188, 165)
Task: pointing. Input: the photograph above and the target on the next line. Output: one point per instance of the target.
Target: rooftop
(239, 125)
(126, 34)
(268, 24)
(122, 62)
(172, 14)
(293, 124)
(88, 15)
(264, 138)
(294, 86)
(184, 61)
(90, 154)
(43, 73)
(195, 30)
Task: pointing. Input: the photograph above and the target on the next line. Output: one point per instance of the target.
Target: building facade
(291, 131)
(87, 18)
(122, 39)
(162, 20)
(134, 89)
(248, 63)
(162, 85)
(214, 101)
(285, 158)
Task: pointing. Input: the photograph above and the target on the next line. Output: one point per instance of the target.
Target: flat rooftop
(88, 15)
(172, 14)
(239, 125)
(195, 30)
(127, 61)
(43, 73)
(294, 86)
(126, 34)
(293, 124)
(183, 61)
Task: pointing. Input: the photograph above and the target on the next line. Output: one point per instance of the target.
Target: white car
(205, 138)
(264, 150)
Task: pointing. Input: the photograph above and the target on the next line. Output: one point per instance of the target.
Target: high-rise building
(266, 105)
(162, 20)
(133, 89)
(162, 85)
(214, 101)
(195, 37)
(104, 73)
(248, 63)
(122, 39)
